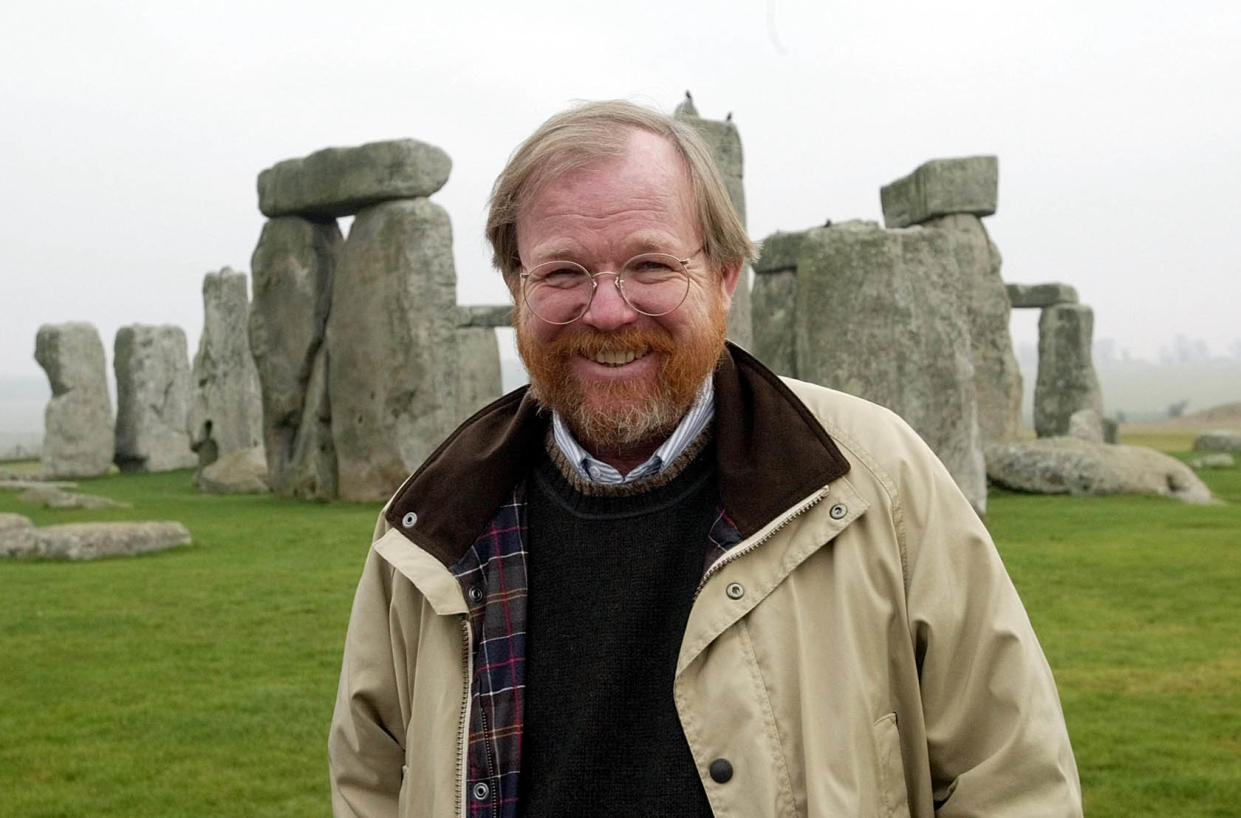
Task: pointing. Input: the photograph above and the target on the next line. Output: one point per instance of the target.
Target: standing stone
(478, 372)
(152, 399)
(293, 267)
(997, 379)
(226, 415)
(1066, 380)
(775, 301)
(882, 315)
(392, 345)
(77, 424)
(724, 142)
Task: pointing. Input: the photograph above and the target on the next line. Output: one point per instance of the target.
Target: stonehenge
(366, 360)
(1066, 381)
(724, 143)
(226, 412)
(152, 399)
(77, 424)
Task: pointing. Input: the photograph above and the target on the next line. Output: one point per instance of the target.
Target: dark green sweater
(612, 570)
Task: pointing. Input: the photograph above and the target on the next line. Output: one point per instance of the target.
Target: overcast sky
(133, 132)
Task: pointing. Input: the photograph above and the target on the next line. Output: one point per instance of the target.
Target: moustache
(590, 343)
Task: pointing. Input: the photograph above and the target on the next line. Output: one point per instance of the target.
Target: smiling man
(663, 581)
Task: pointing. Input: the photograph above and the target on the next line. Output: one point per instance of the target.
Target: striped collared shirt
(596, 471)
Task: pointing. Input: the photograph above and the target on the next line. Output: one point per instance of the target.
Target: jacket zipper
(741, 551)
(467, 662)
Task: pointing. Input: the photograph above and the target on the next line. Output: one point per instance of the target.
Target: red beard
(622, 414)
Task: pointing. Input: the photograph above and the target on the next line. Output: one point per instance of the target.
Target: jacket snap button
(734, 590)
(409, 519)
(476, 593)
(481, 791)
(837, 511)
(721, 771)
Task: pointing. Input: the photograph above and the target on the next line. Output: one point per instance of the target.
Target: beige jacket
(861, 652)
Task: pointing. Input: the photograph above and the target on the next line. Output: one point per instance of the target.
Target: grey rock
(997, 378)
(152, 399)
(294, 266)
(1216, 460)
(1027, 296)
(941, 187)
(88, 541)
(779, 252)
(775, 315)
(52, 497)
(1066, 381)
(392, 346)
(1111, 430)
(1086, 424)
(77, 424)
(340, 181)
(22, 484)
(1220, 440)
(882, 314)
(1067, 465)
(239, 472)
(478, 370)
(478, 315)
(724, 142)
(16, 535)
(226, 413)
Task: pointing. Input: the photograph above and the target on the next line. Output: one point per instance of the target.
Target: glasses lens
(558, 292)
(654, 283)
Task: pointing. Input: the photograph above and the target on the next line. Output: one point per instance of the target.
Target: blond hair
(593, 131)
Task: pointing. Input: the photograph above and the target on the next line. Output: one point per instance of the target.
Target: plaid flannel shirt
(492, 573)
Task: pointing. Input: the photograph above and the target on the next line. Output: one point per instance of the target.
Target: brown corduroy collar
(771, 453)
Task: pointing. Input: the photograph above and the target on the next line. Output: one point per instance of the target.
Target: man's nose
(609, 310)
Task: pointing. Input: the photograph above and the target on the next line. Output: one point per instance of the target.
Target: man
(663, 581)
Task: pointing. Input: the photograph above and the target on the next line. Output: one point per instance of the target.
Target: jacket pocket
(893, 798)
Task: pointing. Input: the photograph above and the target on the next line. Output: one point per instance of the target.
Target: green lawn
(199, 682)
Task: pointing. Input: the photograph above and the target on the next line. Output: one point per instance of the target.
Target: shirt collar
(590, 468)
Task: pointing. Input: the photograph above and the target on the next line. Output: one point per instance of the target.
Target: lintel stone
(1037, 296)
(942, 187)
(340, 181)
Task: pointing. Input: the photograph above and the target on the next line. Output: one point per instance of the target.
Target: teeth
(616, 357)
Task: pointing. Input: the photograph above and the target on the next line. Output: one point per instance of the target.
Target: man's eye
(559, 276)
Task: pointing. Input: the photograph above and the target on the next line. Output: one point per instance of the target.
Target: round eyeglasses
(560, 292)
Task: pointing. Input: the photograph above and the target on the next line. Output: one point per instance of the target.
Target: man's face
(621, 379)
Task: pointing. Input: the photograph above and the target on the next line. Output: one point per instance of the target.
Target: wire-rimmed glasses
(560, 292)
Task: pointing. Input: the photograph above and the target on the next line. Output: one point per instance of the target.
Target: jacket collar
(771, 452)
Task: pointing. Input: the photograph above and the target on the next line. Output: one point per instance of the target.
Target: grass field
(199, 682)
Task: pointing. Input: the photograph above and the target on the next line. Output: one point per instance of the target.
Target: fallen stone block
(1037, 296)
(941, 187)
(22, 484)
(1220, 440)
(1216, 460)
(240, 472)
(1067, 465)
(16, 535)
(52, 497)
(341, 181)
(89, 541)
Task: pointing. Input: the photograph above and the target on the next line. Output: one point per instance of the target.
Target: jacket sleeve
(366, 743)
(996, 735)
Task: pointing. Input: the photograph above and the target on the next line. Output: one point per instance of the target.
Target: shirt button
(837, 511)
(481, 791)
(476, 593)
(721, 770)
(409, 519)
(734, 590)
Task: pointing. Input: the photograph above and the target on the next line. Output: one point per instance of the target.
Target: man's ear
(729, 276)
